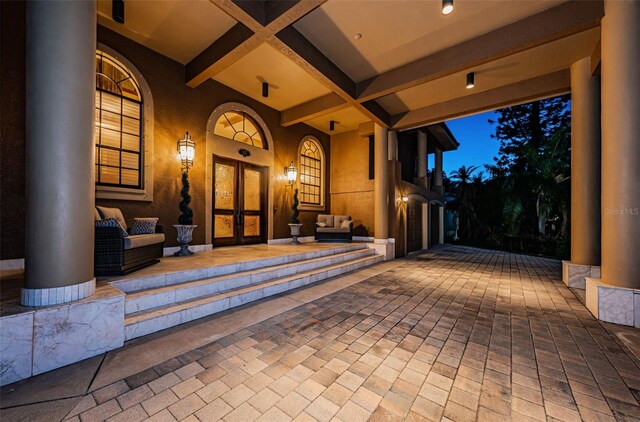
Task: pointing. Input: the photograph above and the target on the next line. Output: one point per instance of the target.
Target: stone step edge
(250, 275)
(161, 280)
(174, 318)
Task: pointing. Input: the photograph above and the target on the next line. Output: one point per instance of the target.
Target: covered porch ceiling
(399, 63)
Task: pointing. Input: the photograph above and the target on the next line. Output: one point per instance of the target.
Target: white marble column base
(573, 275)
(44, 339)
(614, 304)
(384, 247)
(58, 295)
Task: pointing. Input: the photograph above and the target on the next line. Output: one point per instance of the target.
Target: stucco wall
(178, 108)
(351, 189)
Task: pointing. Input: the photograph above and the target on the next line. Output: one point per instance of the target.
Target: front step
(132, 283)
(153, 298)
(148, 321)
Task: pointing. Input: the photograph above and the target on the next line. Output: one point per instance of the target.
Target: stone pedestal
(613, 304)
(573, 275)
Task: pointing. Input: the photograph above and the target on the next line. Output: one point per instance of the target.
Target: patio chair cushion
(139, 240)
(111, 222)
(327, 219)
(321, 224)
(339, 219)
(96, 215)
(113, 213)
(144, 225)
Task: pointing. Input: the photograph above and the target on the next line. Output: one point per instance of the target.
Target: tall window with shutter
(118, 125)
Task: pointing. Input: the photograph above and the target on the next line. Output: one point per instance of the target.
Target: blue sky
(476, 146)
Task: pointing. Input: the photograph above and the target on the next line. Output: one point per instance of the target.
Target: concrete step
(132, 284)
(155, 319)
(153, 298)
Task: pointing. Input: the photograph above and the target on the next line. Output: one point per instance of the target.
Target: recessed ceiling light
(471, 79)
(447, 7)
(357, 36)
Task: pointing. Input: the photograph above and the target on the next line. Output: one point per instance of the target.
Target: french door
(239, 203)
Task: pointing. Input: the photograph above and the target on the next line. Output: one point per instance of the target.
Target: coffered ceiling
(407, 68)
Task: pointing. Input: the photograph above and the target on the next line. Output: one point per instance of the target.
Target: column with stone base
(437, 182)
(381, 191)
(585, 176)
(616, 296)
(422, 157)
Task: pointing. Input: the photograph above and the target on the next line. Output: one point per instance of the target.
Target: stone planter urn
(185, 236)
(295, 233)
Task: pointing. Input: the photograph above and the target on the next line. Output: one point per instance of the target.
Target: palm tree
(462, 179)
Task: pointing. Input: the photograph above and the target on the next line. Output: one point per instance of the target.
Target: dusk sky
(476, 146)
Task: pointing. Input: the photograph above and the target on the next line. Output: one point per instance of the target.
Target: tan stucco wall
(178, 108)
(350, 187)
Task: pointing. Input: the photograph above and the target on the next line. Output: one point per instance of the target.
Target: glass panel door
(239, 203)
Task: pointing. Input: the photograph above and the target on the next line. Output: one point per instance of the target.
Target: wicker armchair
(329, 228)
(116, 254)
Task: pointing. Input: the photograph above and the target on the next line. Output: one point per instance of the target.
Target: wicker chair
(329, 228)
(117, 254)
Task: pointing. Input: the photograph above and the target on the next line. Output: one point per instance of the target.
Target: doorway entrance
(239, 203)
(414, 226)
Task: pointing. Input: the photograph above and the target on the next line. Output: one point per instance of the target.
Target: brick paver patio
(457, 334)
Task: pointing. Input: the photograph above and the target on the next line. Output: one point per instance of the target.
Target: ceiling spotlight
(471, 79)
(447, 7)
(332, 125)
(117, 10)
(265, 89)
(357, 36)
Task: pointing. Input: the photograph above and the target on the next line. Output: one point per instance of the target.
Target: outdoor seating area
(334, 228)
(120, 249)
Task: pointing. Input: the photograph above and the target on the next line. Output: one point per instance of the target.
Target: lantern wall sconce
(186, 152)
(405, 198)
(291, 172)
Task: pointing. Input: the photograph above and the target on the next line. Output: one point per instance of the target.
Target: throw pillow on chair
(144, 225)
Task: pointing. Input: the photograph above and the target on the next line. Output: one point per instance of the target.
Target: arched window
(240, 126)
(118, 126)
(312, 174)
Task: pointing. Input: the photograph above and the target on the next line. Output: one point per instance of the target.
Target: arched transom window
(118, 126)
(311, 170)
(241, 127)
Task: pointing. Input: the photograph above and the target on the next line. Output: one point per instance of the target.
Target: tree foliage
(524, 199)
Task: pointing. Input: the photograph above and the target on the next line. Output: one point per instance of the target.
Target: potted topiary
(186, 153)
(295, 223)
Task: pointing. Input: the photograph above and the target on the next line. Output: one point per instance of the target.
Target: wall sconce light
(117, 10)
(447, 7)
(405, 198)
(265, 89)
(471, 80)
(186, 152)
(292, 173)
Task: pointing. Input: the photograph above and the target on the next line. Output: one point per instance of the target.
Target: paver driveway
(453, 334)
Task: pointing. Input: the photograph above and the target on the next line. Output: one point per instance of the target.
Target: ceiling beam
(226, 50)
(258, 20)
(541, 87)
(549, 25)
(312, 109)
(301, 51)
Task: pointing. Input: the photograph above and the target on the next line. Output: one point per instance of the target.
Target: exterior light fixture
(292, 173)
(405, 198)
(332, 125)
(186, 152)
(447, 7)
(265, 89)
(471, 80)
(117, 10)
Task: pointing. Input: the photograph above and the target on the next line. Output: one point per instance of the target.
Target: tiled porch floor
(454, 334)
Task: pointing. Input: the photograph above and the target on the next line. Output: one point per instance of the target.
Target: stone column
(615, 297)
(621, 144)
(60, 61)
(437, 173)
(393, 145)
(437, 182)
(422, 154)
(381, 184)
(585, 176)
